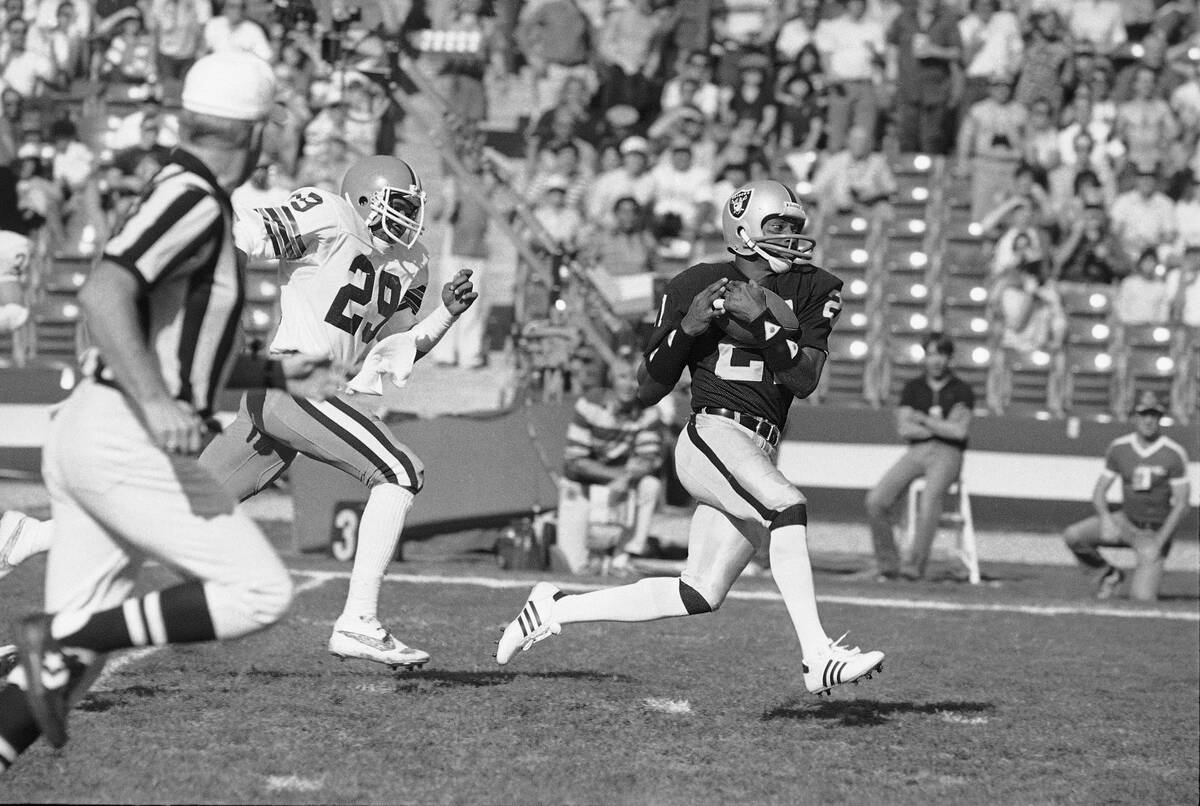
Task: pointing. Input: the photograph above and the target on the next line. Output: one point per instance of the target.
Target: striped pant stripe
(139, 633)
(152, 608)
(352, 434)
(765, 512)
(384, 439)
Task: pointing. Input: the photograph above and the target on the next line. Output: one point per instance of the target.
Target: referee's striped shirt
(178, 243)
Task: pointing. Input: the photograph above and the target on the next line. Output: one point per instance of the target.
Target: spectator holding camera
(1090, 253)
(1031, 312)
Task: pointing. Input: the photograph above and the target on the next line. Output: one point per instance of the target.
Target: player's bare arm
(109, 300)
(953, 427)
(1108, 526)
(1180, 494)
(908, 426)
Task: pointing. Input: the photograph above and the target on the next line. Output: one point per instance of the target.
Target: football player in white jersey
(352, 263)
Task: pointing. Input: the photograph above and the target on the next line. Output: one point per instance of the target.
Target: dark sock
(177, 615)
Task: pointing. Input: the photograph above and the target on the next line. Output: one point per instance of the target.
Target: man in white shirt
(1144, 298)
(991, 44)
(1099, 23)
(1143, 218)
(851, 47)
(632, 178)
(21, 68)
(681, 191)
(232, 30)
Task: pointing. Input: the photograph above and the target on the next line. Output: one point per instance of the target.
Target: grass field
(1019, 692)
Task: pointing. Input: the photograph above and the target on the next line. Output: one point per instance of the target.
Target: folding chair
(961, 519)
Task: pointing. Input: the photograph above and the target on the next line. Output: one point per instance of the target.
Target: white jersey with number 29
(341, 285)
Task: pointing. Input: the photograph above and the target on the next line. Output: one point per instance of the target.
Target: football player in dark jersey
(742, 387)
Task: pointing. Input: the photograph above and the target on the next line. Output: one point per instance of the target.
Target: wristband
(429, 331)
(665, 362)
(781, 354)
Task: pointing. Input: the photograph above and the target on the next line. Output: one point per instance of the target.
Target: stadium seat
(856, 290)
(958, 194)
(903, 362)
(1029, 383)
(842, 249)
(262, 286)
(963, 296)
(960, 518)
(1143, 370)
(57, 325)
(1089, 384)
(847, 374)
(972, 346)
(1087, 301)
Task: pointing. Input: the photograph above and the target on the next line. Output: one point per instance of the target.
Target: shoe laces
(545, 631)
(836, 647)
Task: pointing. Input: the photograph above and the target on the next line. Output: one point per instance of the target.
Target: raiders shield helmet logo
(738, 202)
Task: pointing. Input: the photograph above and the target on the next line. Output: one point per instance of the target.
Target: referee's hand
(174, 426)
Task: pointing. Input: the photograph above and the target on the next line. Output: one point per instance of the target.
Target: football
(778, 311)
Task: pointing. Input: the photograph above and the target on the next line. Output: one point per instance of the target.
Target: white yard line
(771, 596)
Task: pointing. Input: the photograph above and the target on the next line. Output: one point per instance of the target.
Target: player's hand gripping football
(744, 301)
(702, 311)
(173, 425)
(313, 377)
(459, 293)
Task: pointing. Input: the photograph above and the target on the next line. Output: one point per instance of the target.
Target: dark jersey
(917, 394)
(726, 374)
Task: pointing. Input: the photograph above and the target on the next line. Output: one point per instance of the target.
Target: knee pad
(795, 515)
(693, 601)
(12, 316)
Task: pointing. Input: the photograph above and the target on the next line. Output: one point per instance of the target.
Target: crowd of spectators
(1074, 125)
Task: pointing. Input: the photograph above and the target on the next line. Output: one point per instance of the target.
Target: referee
(162, 308)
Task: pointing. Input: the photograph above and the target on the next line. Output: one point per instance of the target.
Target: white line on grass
(666, 705)
(124, 659)
(771, 596)
(293, 783)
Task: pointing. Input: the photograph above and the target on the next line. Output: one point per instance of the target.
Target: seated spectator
(325, 168)
(851, 47)
(1145, 124)
(39, 200)
(1081, 158)
(1143, 298)
(1154, 56)
(1028, 191)
(1104, 106)
(21, 69)
(610, 488)
(682, 192)
(625, 247)
(854, 179)
(1091, 252)
(1032, 316)
(799, 30)
(1046, 63)
(73, 161)
(990, 144)
(64, 43)
(1143, 218)
(688, 123)
(1081, 116)
(753, 99)
(178, 27)
(1187, 218)
(694, 69)
(992, 44)
(566, 166)
(231, 28)
(133, 129)
(130, 63)
(1098, 24)
(631, 179)
(1041, 138)
(1021, 236)
(561, 221)
(740, 146)
(1183, 287)
(1185, 98)
(12, 116)
(801, 117)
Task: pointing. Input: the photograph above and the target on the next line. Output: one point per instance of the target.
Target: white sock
(793, 575)
(378, 536)
(644, 600)
(33, 538)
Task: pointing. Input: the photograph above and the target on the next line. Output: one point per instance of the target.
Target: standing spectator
(564, 165)
(922, 62)
(1143, 217)
(613, 452)
(990, 145)
(706, 96)
(554, 37)
(801, 116)
(1090, 253)
(631, 180)
(232, 29)
(1041, 150)
(1185, 291)
(1144, 297)
(934, 417)
(1098, 24)
(855, 179)
(561, 221)
(325, 168)
(851, 46)
(130, 62)
(1153, 472)
(625, 247)
(64, 42)
(1031, 313)
(21, 69)
(799, 31)
(1080, 154)
(73, 162)
(627, 46)
(740, 29)
(682, 191)
(1046, 63)
(992, 44)
(12, 114)
(178, 26)
(465, 246)
(477, 51)
(1187, 218)
(1145, 123)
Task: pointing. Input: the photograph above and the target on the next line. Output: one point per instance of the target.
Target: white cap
(230, 84)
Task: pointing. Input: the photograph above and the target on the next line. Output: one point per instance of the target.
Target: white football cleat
(365, 638)
(12, 525)
(531, 625)
(839, 664)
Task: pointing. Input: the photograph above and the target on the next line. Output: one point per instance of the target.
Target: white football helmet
(387, 193)
(749, 208)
